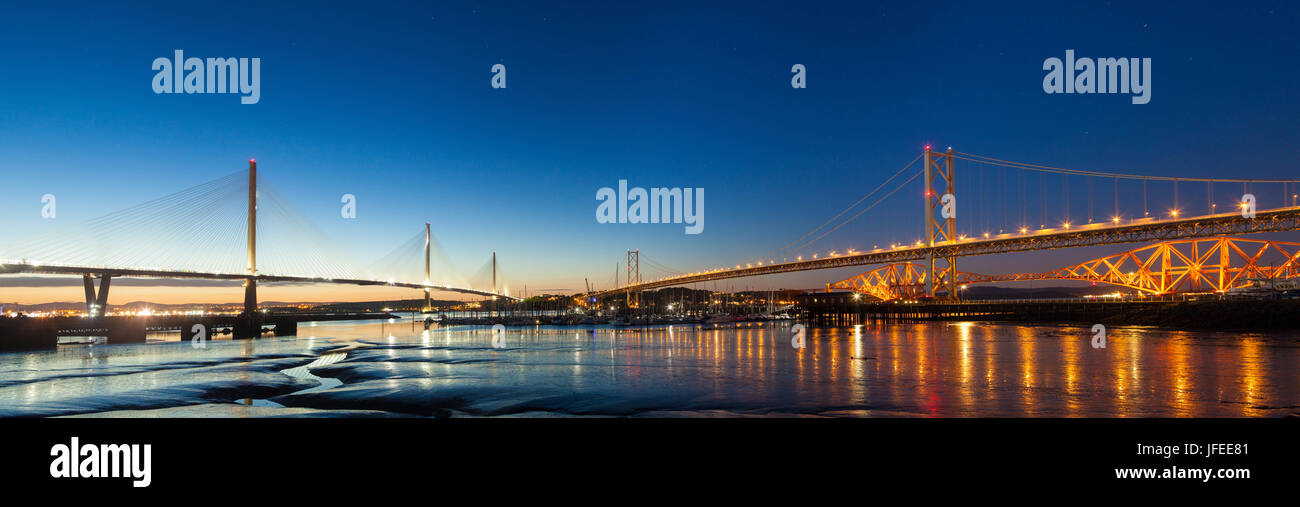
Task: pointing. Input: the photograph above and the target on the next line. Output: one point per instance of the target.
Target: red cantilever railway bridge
(1214, 264)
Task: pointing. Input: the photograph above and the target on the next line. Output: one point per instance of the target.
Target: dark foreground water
(910, 370)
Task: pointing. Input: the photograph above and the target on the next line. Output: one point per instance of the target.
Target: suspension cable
(846, 210)
(1043, 168)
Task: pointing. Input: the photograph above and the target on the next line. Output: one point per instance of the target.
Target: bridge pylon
(428, 239)
(940, 220)
(633, 278)
(97, 305)
(252, 325)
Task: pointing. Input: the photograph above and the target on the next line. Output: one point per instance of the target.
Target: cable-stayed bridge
(1007, 207)
(238, 227)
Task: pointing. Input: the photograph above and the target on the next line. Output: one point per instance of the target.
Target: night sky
(392, 102)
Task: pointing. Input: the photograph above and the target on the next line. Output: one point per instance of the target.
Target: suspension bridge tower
(940, 220)
(633, 277)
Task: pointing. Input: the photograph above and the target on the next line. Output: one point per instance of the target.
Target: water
(909, 370)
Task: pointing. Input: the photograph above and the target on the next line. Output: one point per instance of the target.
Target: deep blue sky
(391, 102)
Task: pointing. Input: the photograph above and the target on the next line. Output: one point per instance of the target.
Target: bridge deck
(19, 268)
(1285, 219)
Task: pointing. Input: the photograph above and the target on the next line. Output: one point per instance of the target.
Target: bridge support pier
(89, 282)
(102, 300)
(250, 322)
(96, 306)
(250, 296)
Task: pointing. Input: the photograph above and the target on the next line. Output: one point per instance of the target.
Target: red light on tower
(927, 147)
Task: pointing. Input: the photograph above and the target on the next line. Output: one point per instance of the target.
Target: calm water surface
(875, 370)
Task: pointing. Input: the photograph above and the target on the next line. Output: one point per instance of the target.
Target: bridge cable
(1079, 172)
(846, 210)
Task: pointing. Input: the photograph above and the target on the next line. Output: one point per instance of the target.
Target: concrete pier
(26, 333)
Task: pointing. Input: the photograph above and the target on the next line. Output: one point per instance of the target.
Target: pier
(28, 333)
(841, 308)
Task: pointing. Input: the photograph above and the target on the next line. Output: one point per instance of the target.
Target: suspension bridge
(1000, 207)
(210, 231)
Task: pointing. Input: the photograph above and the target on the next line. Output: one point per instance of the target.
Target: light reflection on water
(919, 369)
